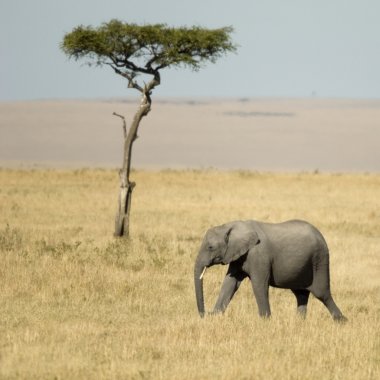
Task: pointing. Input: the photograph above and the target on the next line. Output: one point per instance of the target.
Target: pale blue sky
(288, 48)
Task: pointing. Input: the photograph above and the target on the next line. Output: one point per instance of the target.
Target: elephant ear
(240, 238)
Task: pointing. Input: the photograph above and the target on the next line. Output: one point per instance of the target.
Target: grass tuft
(10, 239)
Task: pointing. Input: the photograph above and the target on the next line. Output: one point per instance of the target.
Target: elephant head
(221, 245)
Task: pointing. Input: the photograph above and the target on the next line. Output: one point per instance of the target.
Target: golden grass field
(76, 303)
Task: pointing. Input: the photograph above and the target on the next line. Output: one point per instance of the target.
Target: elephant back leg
(321, 288)
(302, 296)
(328, 301)
(334, 309)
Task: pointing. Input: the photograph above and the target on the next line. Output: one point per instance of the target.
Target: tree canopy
(147, 48)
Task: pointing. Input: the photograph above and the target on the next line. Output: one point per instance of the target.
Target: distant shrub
(56, 250)
(116, 252)
(10, 239)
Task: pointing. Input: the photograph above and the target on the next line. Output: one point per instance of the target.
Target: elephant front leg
(230, 285)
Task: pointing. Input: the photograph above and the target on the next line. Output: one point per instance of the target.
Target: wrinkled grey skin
(291, 255)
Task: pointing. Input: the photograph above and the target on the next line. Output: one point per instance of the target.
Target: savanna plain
(77, 303)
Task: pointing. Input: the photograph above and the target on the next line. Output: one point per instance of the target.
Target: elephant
(290, 255)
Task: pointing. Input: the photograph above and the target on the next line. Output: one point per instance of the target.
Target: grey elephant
(291, 255)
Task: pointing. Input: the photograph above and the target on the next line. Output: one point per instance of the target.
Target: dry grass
(77, 303)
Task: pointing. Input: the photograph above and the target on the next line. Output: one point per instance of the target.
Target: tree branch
(130, 77)
(149, 87)
(124, 124)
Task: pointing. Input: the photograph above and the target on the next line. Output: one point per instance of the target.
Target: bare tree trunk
(126, 186)
(124, 207)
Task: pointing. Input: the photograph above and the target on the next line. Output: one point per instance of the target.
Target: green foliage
(147, 48)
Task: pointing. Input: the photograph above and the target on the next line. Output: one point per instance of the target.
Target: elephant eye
(210, 247)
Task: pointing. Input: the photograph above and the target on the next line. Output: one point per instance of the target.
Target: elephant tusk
(202, 274)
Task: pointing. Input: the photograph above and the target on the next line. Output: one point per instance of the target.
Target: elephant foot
(216, 312)
(265, 316)
(340, 319)
(301, 311)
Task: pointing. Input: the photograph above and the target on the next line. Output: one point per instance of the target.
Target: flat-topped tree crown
(130, 50)
(147, 48)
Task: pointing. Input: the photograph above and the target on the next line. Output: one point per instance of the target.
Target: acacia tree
(137, 52)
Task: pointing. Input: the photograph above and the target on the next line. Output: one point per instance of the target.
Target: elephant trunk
(199, 268)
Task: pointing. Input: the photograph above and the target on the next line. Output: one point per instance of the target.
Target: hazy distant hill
(254, 134)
